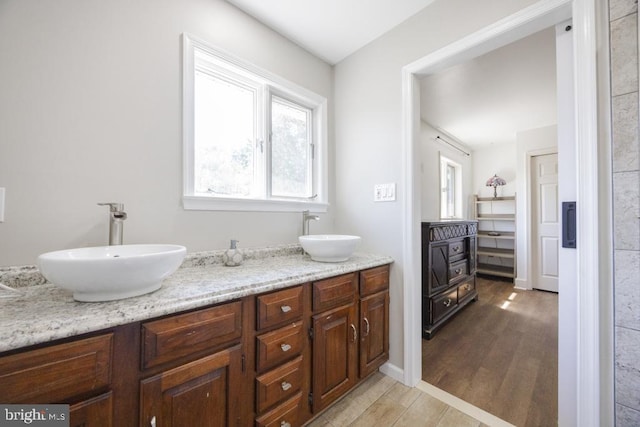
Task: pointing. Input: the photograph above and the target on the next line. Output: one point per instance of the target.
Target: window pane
(224, 134)
(290, 149)
(451, 191)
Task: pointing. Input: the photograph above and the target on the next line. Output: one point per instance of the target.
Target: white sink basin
(107, 273)
(329, 247)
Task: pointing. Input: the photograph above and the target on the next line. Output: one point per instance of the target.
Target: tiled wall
(626, 206)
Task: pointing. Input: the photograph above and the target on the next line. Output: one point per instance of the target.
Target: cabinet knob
(285, 308)
(458, 270)
(355, 332)
(285, 347)
(367, 327)
(447, 302)
(285, 424)
(456, 249)
(285, 386)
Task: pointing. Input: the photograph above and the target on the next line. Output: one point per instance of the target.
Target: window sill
(199, 203)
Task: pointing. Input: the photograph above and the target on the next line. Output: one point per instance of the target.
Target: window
(252, 140)
(451, 189)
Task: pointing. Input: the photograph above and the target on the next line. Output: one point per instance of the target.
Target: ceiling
(483, 101)
(489, 99)
(331, 29)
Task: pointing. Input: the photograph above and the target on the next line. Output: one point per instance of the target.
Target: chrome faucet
(306, 217)
(117, 215)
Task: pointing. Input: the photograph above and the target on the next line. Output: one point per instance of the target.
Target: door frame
(586, 406)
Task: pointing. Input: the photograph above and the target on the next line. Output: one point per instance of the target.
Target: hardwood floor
(500, 354)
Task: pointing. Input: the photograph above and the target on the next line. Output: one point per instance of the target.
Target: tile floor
(383, 402)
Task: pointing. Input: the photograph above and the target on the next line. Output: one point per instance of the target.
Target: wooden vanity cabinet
(205, 391)
(374, 319)
(350, 333)
(274, 359)
(201, 393)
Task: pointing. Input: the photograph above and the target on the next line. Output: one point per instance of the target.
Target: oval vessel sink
(329, 247)
(107, 273)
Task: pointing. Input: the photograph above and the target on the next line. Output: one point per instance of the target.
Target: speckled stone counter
(43, 312)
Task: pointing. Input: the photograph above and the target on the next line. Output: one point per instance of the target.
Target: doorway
(545, 222)
(580, 398)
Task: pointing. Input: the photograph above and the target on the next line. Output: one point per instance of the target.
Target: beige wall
(626, 209)
(91, 111)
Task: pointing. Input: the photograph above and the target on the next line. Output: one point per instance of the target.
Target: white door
(545, 222)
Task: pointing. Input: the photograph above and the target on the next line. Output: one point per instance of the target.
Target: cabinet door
(374, 332)
(335, 338)
(439, 267)
(201, 393)
(95, 412)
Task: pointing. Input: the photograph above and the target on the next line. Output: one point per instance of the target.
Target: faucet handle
(113, 207)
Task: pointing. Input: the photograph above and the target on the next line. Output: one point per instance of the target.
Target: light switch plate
(2, 204)
(384, 192)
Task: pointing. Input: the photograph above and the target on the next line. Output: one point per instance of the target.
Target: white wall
(494, 159)
(91, 110)
(529, 142)
(368, 108)
(431, 148)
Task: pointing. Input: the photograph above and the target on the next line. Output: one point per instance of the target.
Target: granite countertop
(42, 312)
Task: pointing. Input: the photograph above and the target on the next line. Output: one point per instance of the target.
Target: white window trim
(280, 87)
(444, 161)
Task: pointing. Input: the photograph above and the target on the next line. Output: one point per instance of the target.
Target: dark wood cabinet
(274, 359)
(203, 393)
(351, 339)
(448, 271)
(374, 332)
(94, 412)
(335, 345)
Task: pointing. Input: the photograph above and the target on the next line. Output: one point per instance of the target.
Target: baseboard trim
(462, 406)
(522, 284)
(393, 371)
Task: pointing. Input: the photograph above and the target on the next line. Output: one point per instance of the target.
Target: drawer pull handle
(285, 386)
(447, 303)
(285, 308)
(456, 249)
(468, 287)
(355, 333)
(285, 424)
(153, 421)
(285, 347)
(367, 327)
(458, 270)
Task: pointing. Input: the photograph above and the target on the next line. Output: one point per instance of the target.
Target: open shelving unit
(496, 235)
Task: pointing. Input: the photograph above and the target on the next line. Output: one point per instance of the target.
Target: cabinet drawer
(466, 289)
(278, 384)
(169, 339)
(334, 292)
(374, 280)
(458, 270)
(456, 248)
(285, 415)
(56, 373)
(443, 304)
(279, 307)
(282, 344)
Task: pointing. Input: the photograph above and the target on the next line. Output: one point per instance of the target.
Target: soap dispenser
(233, 256)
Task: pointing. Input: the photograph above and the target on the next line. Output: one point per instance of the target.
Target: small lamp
(495, 181)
